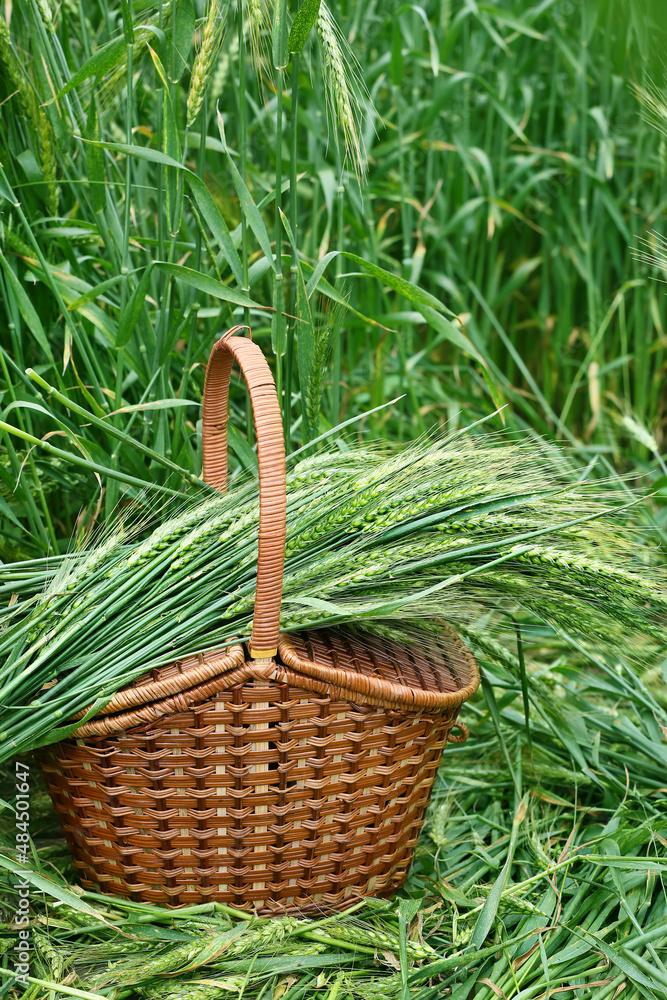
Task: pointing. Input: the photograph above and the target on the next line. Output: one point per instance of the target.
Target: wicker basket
(290, 778)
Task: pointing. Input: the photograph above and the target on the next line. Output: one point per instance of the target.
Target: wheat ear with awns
(439, 530)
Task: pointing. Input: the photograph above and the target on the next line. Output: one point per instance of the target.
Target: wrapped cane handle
(271, 460)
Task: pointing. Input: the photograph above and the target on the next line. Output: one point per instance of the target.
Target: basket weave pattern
(287, 778)
(266, 795)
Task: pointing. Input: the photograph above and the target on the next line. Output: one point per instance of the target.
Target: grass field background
(466, 199)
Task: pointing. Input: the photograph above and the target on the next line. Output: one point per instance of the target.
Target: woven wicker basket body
(291, 777)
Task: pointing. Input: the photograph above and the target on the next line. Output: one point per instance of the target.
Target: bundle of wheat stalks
(440, 530)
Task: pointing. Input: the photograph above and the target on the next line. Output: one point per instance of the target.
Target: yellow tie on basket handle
(271, 460)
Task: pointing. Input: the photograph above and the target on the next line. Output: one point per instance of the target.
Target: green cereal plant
(488, 198)
(192, 955)
(206, 59)
(363, 534)
(342, 86)
(129, 308)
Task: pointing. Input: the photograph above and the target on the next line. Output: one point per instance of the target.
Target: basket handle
(271, 460)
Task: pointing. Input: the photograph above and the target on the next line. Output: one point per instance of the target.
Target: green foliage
(303, 24)
(512, 206)
(480, 214)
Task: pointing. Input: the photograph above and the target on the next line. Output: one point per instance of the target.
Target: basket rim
(136, 694)
(395, 695)
(138, 705)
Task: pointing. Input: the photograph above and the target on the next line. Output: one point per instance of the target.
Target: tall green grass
(488, 243)
(508, 175)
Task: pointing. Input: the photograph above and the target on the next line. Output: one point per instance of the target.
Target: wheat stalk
(653, 104)
(341, 85)
(322, 350)
(435, 530)
(54, 959)
(15, 75)
(48, 159)
(229, 986)
(372, 937)
(46, 14)
(248, 937)
(258, 20)
(205, 60)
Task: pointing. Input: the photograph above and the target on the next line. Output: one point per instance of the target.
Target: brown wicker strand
(374, 690)
(271, 460)
(189, 675)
